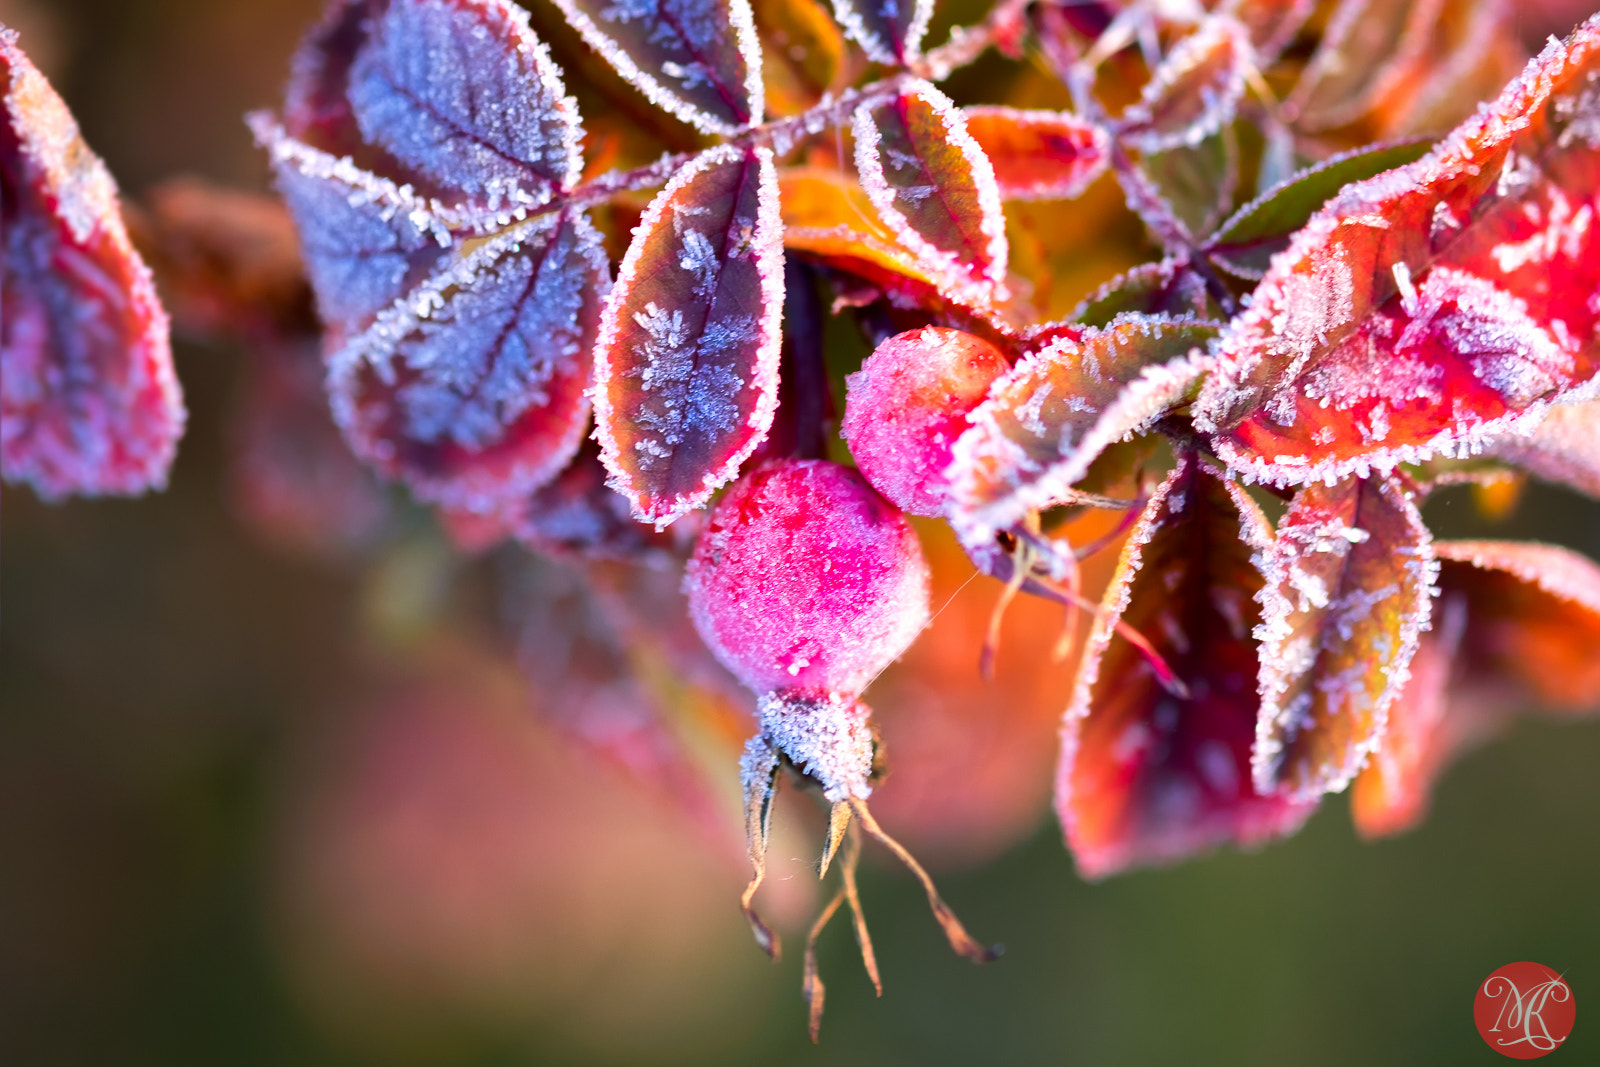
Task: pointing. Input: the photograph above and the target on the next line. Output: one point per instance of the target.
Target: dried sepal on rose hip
(907, 405)
(807, 584)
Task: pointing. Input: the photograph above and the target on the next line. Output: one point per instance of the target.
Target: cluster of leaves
(1268, 402)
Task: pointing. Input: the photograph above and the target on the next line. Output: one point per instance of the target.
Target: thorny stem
(961, 942)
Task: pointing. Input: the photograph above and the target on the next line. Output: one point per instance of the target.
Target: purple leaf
(889, 31)
(89, 400)
(456, 97)
(700, 60)
(686, 368)
(472, 388)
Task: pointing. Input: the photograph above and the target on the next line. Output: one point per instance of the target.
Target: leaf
(365, 241)
(1045, 421)
(89, 399)
(472, 388)
(1194, 91)
(1197, 182)
(1167, 287)
(1246, 243)
(1533, 617)
(889, 31)
(1039, 155)
(934, 188)
(1368, 47)
(1518, 622)
(1349, 577)
(686, 367)
(1563, 447)
(1147, 776)
(1270, 24)
(1433, 307)
(457, 98)
(577, 516)
(699, 60)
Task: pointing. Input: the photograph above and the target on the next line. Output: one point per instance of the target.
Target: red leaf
(1148, 776)
(1348, 583)
(888, 32)
(1193, 92)
(1533, 616)
(686, 367)
(472, 389)
(1434, 307)
(700, 60)
(1047, 419)
(1039, 155)
(1563, 447)
(1518, 623)
(935, 189)
(89, 400)
(457, 98)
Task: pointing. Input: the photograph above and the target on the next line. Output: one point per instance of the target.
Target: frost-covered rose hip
(806, 584)
(806, 578)
(908, 404)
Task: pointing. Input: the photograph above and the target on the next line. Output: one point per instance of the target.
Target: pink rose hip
(804, 577)
(907, 405)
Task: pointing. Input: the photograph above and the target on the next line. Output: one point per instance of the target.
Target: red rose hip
(907, 405)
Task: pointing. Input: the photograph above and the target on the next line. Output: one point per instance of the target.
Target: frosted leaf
(1194, 91)
(577, 516)
(1196, 183)
(1246, 243)
(686, 366)
(1044, 423)
(889, 31)
(1563, 447)
(1348, 583)
(1167, 287)
(700, 60)
(457, 97)
(1369, 50)
(1147, 776)
(1533, 619)
(1270, 24)
(1039, 155)
(471, 388)
(363, 239)
(805, 578)
(89, 400)
(1492, 232)
(935, 189)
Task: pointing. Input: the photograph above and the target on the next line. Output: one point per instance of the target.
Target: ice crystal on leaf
(1349, 576)
(1500, 313)
(934, 188)
(1047, 419)
(687, 360)
(1563, 448)
(472, 388)
(698, 59)
(889, 31)
(1147, 775)
(89, 400)
(1194, 91)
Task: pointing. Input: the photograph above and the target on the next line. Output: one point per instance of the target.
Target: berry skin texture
(907, 405)
(804, 577)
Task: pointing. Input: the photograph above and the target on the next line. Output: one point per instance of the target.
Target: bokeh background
(260, 805)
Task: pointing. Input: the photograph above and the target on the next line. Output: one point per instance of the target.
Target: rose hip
(908, 404)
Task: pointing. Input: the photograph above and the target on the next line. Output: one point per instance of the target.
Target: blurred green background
(174, 696)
